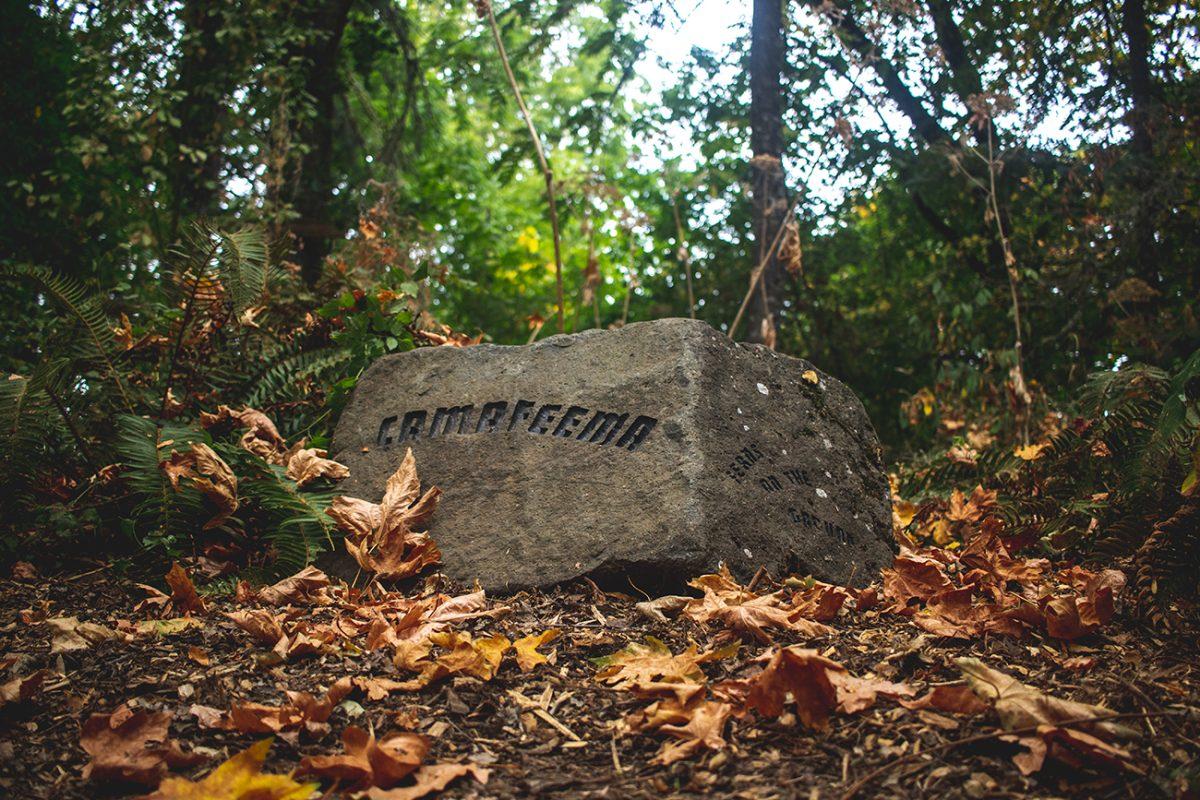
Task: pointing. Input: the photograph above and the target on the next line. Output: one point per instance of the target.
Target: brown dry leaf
(526, 649)
(727, 602)
(68, 633)
(1074, 748)
(239, 778)
(131, 746)
(801, 674)
(265, 627)
(429, 779)
(383, 538)
(210, 475)
(22, 689)
(308, 464)
(396, 555)
(24, 571)
(653, 663)
(183, 591)
(953, 699)
(1021, 706)
(820, 602)
(1075, 616)
(309, 587)
(705, 727)
(368, 762)
(378, 688)
(479, 658)
(261, 437)
(856, 694)
(303, 711)
(913, 577)
(436, 613)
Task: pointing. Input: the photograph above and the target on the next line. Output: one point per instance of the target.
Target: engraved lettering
(770, 483)
(489, 418)
(566, 424)
(637, 432)
(544, 417)
(602, 427)
(449, 420)
(384, 439)
(522, 411)
(411, 427)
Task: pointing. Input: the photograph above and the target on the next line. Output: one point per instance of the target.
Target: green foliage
(1107, 470)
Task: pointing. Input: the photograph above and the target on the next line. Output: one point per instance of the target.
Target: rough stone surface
(715, 452)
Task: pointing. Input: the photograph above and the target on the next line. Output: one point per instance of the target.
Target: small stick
(981, 737)
(547, 174)
(758, 576)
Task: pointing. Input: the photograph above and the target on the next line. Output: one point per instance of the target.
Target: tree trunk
(1141, 121)
(767, 178)
(209, 70)
(311, 192)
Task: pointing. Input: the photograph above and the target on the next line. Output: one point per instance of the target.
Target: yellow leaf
(529, 239)
(1030, 452)
(810, 376)
(239, 778)
(527, 655)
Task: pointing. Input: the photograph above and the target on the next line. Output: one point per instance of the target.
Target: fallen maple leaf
(429, 779)
(1021, 706)
(1074, 748)
(183, 591)
(1030, 452)
(479, 658)
(368, 762)
(24, 571)
(261, 436)
(303, 711)
(913, 577)
(526, 649)
(239, 778)
(68, 633)
(798, 673)
(738, 609)
(309, 586)
(653, 663)
(22, 689)
(131, 746)
(307, 464)
(953, 699)
(210, 475)
(264, 626)
(705, 727)
(383, 538)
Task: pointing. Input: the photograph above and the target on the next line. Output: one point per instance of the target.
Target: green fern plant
(84, 308)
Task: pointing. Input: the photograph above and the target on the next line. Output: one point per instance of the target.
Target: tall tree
(310, 193)
(767, 178)
(208, 73)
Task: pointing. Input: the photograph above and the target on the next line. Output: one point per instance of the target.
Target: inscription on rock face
(576, 422)
(654, 453)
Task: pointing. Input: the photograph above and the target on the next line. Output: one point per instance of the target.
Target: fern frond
(162, 514)
(244, 266)
(86, 309)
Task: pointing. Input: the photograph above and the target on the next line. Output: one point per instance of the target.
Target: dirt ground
(569, 749)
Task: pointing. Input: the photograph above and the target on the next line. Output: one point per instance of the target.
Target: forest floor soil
(570, 750)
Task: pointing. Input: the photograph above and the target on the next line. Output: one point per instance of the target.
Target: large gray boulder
(653, 452)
